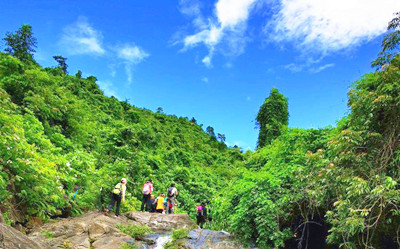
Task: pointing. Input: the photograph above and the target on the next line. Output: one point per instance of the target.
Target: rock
(162, 222)
(94, 230)
(111, 242)
(203, 238)
(90, 229)
(150, 239)
(79, 241)
(11, 238)
(97, 229)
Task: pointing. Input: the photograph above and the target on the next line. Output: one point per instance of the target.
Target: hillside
(58, 131)
(336, 187)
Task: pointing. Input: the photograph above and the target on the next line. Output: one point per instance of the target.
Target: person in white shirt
(172, 193)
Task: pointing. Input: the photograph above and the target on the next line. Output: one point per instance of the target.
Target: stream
(162, 240)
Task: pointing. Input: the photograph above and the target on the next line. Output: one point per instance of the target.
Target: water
(162, 240)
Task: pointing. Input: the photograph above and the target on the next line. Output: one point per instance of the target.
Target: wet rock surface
(203, 238)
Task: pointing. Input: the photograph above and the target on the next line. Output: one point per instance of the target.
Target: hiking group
(162, 204)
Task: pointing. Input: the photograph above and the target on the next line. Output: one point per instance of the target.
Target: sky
(215, 60)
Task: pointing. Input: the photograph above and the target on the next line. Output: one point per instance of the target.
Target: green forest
(337, 187)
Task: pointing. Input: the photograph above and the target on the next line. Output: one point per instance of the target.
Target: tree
(390, 43)
(160, 110)
(61, 63)
(210, 131)
(79, 74)
(221, 137)
(271, 117)
(21, 44)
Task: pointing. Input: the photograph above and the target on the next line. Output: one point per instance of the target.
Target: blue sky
(214, 60)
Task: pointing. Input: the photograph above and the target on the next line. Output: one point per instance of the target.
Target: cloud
(130, 55)
(227, 25)
(108, 88)
(204, 79)
(81, 38)
(330, 25)
(294, 68)
(321, 68)
(308, 65)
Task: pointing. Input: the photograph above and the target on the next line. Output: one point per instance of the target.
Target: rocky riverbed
(94, 230)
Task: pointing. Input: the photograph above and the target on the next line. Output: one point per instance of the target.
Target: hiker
(160, 203)
(146, 190)
(117, 194)
(153, 204)
(201, 215)
(172, 193)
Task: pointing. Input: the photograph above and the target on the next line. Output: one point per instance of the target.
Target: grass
(47, 234)
(135, 231)
(177, 239)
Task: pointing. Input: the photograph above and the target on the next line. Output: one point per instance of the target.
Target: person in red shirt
(147, 189)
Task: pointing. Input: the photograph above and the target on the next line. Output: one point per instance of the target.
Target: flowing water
(162, 240)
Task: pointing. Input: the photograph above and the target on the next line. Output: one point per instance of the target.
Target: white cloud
(204, 79)
(308, 65)
(81, 38)
(108, 88)
(131, 55)
(227, 25)
(294, 68)
(321, 68)
(330, 25)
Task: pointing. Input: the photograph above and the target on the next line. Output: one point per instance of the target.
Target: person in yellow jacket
(160, 203)
(117, 194)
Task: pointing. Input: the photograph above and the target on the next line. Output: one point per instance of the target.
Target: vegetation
(135, 231)
(177, 241)
(272, 117)
(337, 186)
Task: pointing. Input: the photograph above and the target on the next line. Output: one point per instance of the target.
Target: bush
(134, 231)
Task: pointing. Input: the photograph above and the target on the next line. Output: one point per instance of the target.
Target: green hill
(332, 187)
(58, 131)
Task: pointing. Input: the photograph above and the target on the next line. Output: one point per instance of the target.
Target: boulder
(162, 222)
(11, 238)
(203, 238)
(111, 242)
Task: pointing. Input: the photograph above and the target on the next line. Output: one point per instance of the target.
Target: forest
(334, 187)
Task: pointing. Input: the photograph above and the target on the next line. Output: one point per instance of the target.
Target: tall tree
(62, 63)
(221, 137)
(210, 131)
(21, 44)
(271, 117)
(390, 43)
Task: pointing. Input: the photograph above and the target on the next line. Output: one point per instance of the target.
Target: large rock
(162, 222)
(99, 231)
(91, 230)
(11, 238)
(203, 238)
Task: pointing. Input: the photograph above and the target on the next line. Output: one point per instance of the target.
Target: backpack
(146, 189)
(170, 194)
(117, 189)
